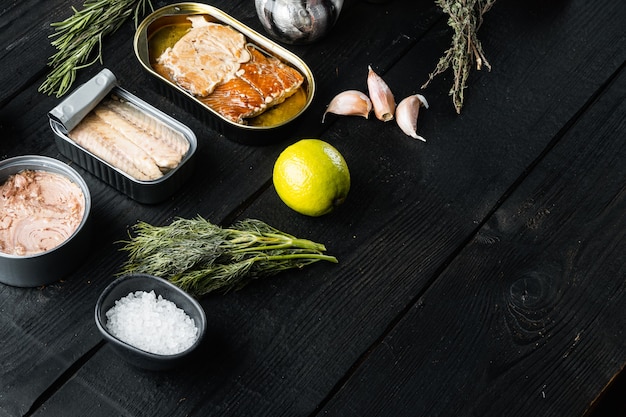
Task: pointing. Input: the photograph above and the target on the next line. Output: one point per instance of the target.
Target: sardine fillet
(165, 157)
(103, 141)
(159, 130)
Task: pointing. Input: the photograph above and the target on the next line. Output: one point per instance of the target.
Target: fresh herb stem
(201, 257)
(78, 36)
(287, 242)
(465, 18)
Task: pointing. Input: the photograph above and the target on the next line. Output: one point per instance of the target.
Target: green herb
(465, 18)
(201, 257)
(78, 35)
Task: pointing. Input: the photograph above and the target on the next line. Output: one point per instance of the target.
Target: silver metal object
(72, 110)
(298, 21)
(65, 116)
(49, 266)
(247, 134)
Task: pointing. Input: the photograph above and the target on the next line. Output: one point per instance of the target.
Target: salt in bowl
(128, 284)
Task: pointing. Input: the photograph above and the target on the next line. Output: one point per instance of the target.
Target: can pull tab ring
(79, 103)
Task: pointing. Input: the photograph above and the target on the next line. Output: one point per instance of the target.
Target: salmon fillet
(236, 100)
(261, 83)
(274, 80)
(210, 53)
(238, 81)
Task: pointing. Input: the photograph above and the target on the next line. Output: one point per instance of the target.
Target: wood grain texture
(467, 264)
(534, 303)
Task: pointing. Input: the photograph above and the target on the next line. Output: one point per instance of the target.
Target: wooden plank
(24, 34)
(63, 342)
(533, 305)
(259, 334)
(284, 343)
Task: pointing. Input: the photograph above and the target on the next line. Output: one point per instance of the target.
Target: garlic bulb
(407, 112)
(381, 96)
(349, 103)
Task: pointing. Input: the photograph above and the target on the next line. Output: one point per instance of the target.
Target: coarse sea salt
(151, 323)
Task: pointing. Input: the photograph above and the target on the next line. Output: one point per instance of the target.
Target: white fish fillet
(101, 140)
(164, 156)
(159, 130)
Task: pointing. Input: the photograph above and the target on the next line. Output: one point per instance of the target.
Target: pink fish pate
(39, 210)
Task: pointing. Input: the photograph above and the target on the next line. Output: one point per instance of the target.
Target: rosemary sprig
(201, 257)
(78, 35)
(465, 18)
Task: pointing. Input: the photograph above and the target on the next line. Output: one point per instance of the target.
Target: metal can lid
(80, 102)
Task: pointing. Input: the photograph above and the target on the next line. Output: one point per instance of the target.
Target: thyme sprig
(201, 257)
(465, 17)
(78, 36)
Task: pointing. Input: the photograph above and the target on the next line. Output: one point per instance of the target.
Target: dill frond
(201, 257)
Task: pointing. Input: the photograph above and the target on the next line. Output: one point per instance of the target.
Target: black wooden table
(481, 273)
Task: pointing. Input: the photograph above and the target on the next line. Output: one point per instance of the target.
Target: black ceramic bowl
(127, 284)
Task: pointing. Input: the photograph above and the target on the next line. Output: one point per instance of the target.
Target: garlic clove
(349, 103)
(407, 112)
(382, 98)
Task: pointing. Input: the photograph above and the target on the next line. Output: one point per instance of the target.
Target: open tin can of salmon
(45, 218)
(124, 141)
(240, 83)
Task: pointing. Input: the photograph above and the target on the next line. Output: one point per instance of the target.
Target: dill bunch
(200, 257)
(78, 35)
(465, 18)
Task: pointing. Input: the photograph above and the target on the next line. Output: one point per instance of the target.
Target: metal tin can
(248, 134)
(46, 267)
(69, 113)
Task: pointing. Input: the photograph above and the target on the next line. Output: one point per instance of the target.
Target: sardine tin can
(69, 113)
(246, 134)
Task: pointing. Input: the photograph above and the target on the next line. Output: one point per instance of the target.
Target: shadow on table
(612, 403)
